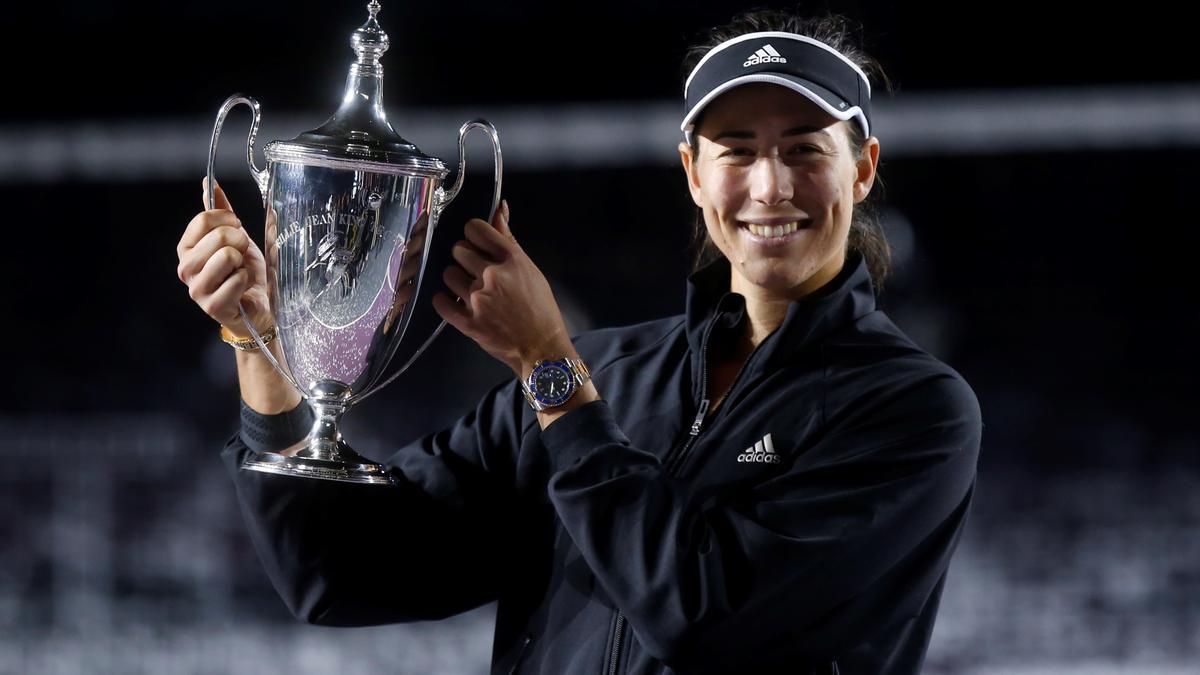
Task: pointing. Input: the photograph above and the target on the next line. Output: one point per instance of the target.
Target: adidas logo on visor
(762, 452)
(765, 54)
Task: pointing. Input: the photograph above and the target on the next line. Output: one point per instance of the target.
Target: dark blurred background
(1038, 174)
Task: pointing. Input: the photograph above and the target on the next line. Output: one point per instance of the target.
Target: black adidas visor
(807, 66)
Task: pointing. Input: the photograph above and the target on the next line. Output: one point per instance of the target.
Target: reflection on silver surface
(344, 270)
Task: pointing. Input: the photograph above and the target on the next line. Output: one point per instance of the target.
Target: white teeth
(774, 231)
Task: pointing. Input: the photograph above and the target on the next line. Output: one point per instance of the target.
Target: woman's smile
(773, 234)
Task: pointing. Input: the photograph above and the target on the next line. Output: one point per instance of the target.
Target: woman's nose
(770, 181)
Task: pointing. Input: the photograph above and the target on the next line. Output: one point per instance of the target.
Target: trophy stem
(325, 440)
(325, 455)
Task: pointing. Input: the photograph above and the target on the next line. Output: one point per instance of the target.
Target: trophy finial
(359, 130)
(369, 41)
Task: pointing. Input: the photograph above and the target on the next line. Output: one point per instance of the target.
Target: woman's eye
(797, 149)
(737, 152)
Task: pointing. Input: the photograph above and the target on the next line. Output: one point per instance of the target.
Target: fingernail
(504, 208)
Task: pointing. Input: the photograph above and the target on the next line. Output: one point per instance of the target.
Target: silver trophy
(350, 207)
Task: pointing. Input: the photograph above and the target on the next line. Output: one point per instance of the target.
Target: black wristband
(272, 433)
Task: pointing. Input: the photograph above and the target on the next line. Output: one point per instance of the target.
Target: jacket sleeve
(853, 535)
(352, 555)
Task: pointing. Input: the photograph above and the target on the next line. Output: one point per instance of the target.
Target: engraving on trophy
(288, 232)
(335, 253)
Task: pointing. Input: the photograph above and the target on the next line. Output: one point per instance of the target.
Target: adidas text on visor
(807, 66)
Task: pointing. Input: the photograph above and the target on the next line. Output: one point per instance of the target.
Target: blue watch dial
(553, 384)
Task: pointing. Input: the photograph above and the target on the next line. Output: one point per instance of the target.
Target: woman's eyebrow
(734, 134)
(801, 130)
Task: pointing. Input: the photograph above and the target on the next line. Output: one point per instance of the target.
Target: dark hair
(866, 234)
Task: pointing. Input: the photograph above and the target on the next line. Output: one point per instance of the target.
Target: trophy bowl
(350, 207)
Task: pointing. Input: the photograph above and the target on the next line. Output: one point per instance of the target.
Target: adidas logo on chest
(762, 452)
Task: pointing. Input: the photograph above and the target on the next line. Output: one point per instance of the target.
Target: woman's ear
(687, 155)
(866, 168)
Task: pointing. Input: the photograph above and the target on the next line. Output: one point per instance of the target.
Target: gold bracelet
(246, 344)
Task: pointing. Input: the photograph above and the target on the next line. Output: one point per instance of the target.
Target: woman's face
(777, 182)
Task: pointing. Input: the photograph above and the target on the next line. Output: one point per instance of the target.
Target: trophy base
(323, 454)
(351, 469)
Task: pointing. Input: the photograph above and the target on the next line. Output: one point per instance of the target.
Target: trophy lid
(358, 136)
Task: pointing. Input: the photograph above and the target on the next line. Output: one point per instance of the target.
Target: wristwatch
(554, 381)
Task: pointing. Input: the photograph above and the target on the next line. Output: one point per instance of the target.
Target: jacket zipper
(675, 461)
(614, 655)
(702, 410)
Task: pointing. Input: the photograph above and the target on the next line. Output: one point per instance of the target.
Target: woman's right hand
(221, 265)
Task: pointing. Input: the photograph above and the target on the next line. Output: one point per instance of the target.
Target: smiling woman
(832, 34)
(772, 481)
(776, 188)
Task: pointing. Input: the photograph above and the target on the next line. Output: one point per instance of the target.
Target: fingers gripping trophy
(350, 207)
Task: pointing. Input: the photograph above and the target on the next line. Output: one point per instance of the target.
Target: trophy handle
(442, 199)
(260, 178)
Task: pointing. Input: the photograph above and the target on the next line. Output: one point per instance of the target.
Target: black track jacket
(805, 527)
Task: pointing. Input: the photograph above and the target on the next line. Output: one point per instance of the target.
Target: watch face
(552, 384)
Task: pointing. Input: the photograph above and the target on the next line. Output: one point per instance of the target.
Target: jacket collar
(847, 297)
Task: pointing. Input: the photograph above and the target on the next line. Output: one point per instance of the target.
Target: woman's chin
(772, 277)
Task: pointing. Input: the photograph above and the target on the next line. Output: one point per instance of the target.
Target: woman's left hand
(507, 306)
